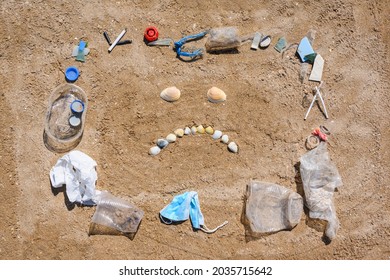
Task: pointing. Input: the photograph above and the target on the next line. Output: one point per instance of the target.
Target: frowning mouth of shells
(162, 143)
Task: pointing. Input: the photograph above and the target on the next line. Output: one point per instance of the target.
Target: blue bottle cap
(77, 106)
(71, 74)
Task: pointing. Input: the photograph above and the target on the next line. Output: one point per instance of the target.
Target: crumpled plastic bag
(77, 171)
(186, 206)
(271, 208)
(320, 178)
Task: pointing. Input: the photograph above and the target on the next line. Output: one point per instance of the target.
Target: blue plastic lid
(71, 74)
(77, 106)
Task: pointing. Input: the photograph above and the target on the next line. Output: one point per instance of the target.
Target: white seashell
(216, 95)
(265, 41)
(171, 138)
(217, 134)
(209, 130)
(200, 129)
(179, 132)
(193, 130)
(225, 139)
(154, 150)
(170, 94)
(187, 131)
(233, 147)
(162, 143)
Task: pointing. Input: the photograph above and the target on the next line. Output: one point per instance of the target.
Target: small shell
(225, 139)
(179, 132)
(265, 42)
(193, 130)
(171, 138)
(217, 134)
(216, 95)
(209, 130)
(233, 147)
(170, 94)
(154, 150)
(162, 143)
(200, 129)
(187, 131)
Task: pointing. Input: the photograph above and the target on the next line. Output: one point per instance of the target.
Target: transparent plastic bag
(271, 208)
(320, 178)
(223, 38)
(59, 135)
(115, 216)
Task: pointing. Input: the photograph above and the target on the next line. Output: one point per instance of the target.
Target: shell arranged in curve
(216, 95)
(170, 94)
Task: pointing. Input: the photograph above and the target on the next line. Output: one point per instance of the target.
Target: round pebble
(154, 150)
(162, 143)
(225, 139)
(171, 138)
(233, 147)
(217, 134)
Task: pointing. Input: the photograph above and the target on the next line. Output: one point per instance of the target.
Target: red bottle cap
(151, 34)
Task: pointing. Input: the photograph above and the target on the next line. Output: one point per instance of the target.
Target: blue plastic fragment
(179, 44)
(304, 49)
(82, 45)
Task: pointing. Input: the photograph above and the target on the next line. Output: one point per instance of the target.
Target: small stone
(217, 134)
(193, 130)
(179, 132)
(233, 147)
(200, 129)
(162, 143)
(209, 130)
(154, 150)
(225, 139)
(171, 138)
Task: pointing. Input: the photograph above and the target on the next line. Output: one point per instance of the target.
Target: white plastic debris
(318, 66)
(77, 171)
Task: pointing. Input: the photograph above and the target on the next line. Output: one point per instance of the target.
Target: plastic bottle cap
(74, 121)
(151, 34)
(71, 74)
(77, 106)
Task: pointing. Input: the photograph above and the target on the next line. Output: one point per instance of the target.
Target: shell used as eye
(216, 95)
(170, 94)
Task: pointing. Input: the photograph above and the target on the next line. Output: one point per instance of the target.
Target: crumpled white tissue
(77, 171)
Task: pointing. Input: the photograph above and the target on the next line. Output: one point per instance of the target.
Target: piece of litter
(281, 44)
(186, 206)
(304, 49)
(265, 41)
(75, 51)
(316, 72)
(256, 41)
(77, 171)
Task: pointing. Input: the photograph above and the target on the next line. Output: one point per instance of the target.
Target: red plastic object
(151, 34)
(322, 136)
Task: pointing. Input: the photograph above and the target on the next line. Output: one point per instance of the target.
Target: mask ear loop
(165, 221)
(206, 230)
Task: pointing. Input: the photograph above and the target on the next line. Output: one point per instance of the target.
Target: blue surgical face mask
(186, 206)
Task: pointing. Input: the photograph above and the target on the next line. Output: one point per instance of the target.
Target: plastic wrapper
(271, 208)
(115, 216)
(223, 38)
(320, 178)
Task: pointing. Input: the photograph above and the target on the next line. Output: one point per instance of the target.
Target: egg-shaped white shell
(170, 94)
(216, 95)
(225, 139)
(217, 134)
